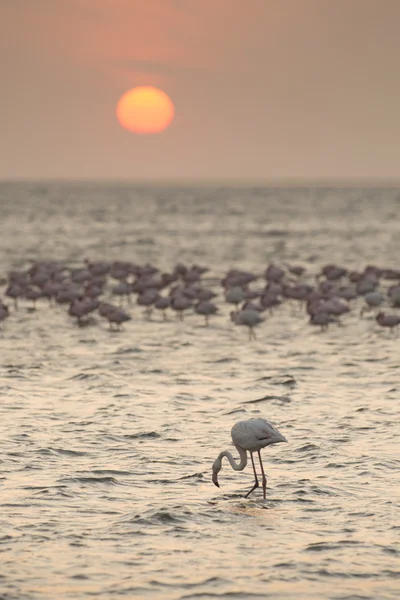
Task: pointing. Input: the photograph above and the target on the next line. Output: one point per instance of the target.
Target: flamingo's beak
(215, 479)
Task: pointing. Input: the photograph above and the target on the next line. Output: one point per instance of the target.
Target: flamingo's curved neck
(243, 458)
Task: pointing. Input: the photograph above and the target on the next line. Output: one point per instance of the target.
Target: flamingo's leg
(264, 479)
(256, 484)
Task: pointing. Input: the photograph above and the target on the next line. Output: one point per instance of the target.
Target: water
(107, 439)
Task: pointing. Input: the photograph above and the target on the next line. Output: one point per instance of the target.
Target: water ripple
(108, 438)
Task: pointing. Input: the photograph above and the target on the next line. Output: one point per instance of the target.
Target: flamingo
(385, 320)
(274, 273)
(81, 306)
(15, 291)
(249, 436)
(332, 272)
(147, 299)
(33, 293)
(122, 288)
(179, 303)
(248, 317)
(117, 316)
(162, 303)
(323, 319)
(234, 295)
(206, 308)
(372, 300)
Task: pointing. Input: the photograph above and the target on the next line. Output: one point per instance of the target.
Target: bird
(206, 308)
(322, 319)
(113, 314)
(248, 317)
(179, 303)
(162, 303)
(147, 299)
(372, 299)
(249, 436)
(385, 320)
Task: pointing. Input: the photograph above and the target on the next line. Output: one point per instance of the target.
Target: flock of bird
(110, 289)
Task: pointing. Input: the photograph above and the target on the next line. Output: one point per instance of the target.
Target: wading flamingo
(249, 436)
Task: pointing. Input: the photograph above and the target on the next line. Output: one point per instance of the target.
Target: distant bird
(206, 308)
(274, 273)
(235, 295)
(33, 293)
(81, 307)
(118, 317)
(122, 289)
(147, 299)
(385, 320)
(347, 292)
(162, 303)
(15, 291)
(322, 319)
(249, 436)
(269, 299)
(367, 284)
(248, 317)
(372, 300)
(113, 314)
(335, 306)
(332, 272)
(179, 303)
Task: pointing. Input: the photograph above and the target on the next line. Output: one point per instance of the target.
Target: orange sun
(145, 110)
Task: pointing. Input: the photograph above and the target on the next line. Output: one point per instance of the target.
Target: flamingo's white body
(249, 436)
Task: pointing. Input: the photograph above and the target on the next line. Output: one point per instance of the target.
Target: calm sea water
(107, 438)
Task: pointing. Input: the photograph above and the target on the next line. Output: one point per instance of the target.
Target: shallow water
(107, 438)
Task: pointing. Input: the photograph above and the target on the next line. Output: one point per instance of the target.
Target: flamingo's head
(215, 470)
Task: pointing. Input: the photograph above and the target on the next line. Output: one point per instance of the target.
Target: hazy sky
(262, 88)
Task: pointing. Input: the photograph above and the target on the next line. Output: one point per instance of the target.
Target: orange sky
(262, 89)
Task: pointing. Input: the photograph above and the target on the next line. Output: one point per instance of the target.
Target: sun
(145, 109)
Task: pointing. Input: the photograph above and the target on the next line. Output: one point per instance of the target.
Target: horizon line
(289, 182)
